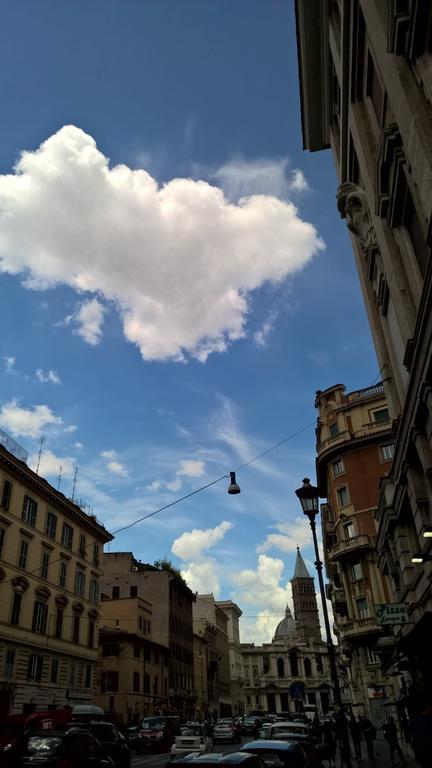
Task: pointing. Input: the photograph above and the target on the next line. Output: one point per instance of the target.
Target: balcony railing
(351, 628)
(345, 547)
(370, 428)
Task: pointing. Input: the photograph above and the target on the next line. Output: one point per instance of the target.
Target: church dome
(287, 627)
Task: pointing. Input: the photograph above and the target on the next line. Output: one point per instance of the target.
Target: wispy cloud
(50, 376)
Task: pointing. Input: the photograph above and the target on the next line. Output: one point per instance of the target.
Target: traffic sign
(391, 613)
(297, 691)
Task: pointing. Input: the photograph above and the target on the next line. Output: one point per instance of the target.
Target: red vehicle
(157, 734)
(15, 726)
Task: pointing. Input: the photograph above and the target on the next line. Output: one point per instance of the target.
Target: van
(157, 733)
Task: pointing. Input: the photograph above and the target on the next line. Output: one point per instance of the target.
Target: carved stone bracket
(353, 206)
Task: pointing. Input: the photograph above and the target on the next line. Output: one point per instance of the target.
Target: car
(131, 733)
(15, 726)
(225, 730)
(113, 741)
(157, 733)
(192, 738)
(277, 729)
(216, 759)
(75, 748)
(278, 754)
(249, 725)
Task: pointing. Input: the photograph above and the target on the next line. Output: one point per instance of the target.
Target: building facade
(172, 624)
(366, 90)
(132, 680)
(292, 672)
(51, 560)
(354, 451)
(211, 623)
(233, 614)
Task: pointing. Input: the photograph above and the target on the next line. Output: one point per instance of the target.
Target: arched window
(294, 664)
(308, 667)
(281, 668)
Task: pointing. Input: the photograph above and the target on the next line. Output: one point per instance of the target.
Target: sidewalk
(382, 757)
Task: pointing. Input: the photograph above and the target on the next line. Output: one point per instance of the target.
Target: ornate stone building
(234, 613)
(292, 672)
(365, 71)
(211, 624)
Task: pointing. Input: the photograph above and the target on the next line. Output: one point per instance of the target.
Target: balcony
(358, 628)
(370, 428)
(347, 547)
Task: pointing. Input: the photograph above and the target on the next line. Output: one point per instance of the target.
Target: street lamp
(309, 499)
(427, 533)
(418, 558)
(233, 487)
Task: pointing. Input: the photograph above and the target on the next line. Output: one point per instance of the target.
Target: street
(160, 760)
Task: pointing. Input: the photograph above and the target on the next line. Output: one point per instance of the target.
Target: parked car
(192, 738)
(131, 733)
(278, 754)
(249, 725)
(113, 741)
(75, 748)
(157, 733)
(225, 730)
(216, 759)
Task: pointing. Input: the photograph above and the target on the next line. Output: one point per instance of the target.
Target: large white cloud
(178, 262)
(201, 570)
(51, 465)
(27, 422)
(192, 544)
(290, 535)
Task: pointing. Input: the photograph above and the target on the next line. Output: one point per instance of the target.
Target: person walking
(356, 735)
(369, 734)
(391, 736)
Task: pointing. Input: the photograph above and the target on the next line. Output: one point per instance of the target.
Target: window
(88, 676)
(62, 574)
(338, 467)
(109, 681)
(156, 685)
(281, 668)
(294, 664)
(140, 622)
(45, 565)
(91, 634)
(72, 673)
(374, 89)
(2, 535)
(29, 511)
(319, 664)
(387, 452)
(349, 531)
(82, 545)
(342, 497)
(6, 494)
(34, 667)
(363, 608)
(16, 609)
(110, 649)
(94, 591)
(308, 667)
(146, 688)
(96, 557)
(356, 571)
(371, 656)
(334, 429)
(133, 591)
(40, 617)
(51, 525)
(116, 593)
(136, 682)
(147, 654)
(9, 663)
(22, 562)
(67, 536)
(137, 651)
(54, 670)
(156, 657)
(381, 415)
(79, 583)
(58, 623)
(76, 630)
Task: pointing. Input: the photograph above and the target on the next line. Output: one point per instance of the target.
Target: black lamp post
(309, 499)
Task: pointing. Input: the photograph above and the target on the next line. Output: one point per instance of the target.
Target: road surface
(161, 760)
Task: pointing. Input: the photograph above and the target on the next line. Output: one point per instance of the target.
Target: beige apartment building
(234, 613)
(354, 451)
(51, 560)
(211, 623)
(171, 623)
(132, 669)
(365, 70)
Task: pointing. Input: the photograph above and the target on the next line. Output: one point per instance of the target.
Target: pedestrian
(369, 735)
(329, 739)
(391, 736)
(356, 735)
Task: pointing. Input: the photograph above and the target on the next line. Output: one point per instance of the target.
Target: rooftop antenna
(74, 483)
(59, 478)
(42, 440)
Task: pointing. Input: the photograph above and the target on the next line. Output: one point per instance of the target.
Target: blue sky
(158, 334)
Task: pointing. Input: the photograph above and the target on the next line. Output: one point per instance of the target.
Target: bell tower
(305, 602)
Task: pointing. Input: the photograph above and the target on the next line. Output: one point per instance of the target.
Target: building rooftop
(300, 570)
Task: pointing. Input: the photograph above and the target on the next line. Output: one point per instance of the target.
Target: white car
(279, 730)
(192, 738)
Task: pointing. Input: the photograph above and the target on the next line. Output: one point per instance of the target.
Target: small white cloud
(320, 358)
(70, 429)
(192, 544)
(290, 536)
(27, 422)
(9, 364)
(298, 181)
(49, 376)
(78, 446)
(265, 176)
(261, 336)
(191, 468)
(113, 465)
(89, 319)
(51, 465)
